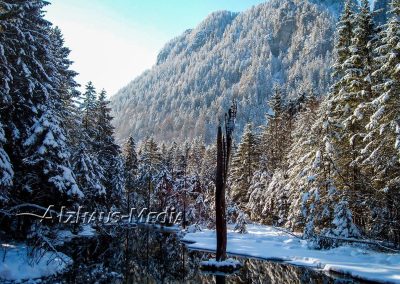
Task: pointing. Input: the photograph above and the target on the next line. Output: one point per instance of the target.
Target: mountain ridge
(228, 55)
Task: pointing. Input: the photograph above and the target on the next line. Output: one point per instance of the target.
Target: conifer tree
(275, 135)
(196, 154)
(70, 115)
(25, 81)
(304, 167)
(116, 195)
(257, 189)
(343, 222)
(131, 168)
(344, 34)
(90, 176)
(244, 164)
(150, 164)
(48, 160)
(382, 151)
(351, 113)
(34, 128)
(88, 107)
(107, 151)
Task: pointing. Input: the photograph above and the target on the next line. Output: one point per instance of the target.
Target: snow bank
(268, 243)
(229, 265)
(228, 262)
(16, 265)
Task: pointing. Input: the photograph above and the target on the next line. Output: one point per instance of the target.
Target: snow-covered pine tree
(344, 112)
(150, 164)
(344, 34)
(34, 128)
(150, 156)
(195, 158)
(131, 170)
(328, 112)
(244, 164)
(171, 156)
(88, 107)
(23, 77)
(83, 130)
(71, 116)
(47, 161)
(207, 176)
(107, 151)
(304, 160)
(241, 223)
(343, 222)
(67, 84)
(258, 186)
(116, 196)
(164, 188)
(312, 181)
(351, 114)
(90, 177)
(275, 136)
(382, 151)
(317, 203)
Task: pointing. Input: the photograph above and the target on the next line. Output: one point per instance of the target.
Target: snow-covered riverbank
(268, 243)
(15, 264)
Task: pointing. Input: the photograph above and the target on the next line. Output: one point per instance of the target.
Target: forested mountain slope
(229, 55)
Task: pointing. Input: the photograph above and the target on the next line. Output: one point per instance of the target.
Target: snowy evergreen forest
(320, 158)
(56, 144)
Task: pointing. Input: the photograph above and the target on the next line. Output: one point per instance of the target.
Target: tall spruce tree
(344, 35)
(382, 152)
(350, 102)
(150, 164)
(304, 160)
(244, 164)
(345, 108)
(36, 142)
(107, 151)
(88, 108)
(131, 170)
(90, 176)
(275, 135)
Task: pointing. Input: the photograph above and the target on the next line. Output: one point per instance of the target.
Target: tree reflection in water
(144, 255)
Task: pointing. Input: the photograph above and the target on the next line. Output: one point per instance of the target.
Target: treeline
(56, 145)
(332, 166)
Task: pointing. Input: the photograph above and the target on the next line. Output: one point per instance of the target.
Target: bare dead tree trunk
(223, 155)
(220, 218)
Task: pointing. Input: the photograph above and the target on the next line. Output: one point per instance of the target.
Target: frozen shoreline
(15, 265)
(270, 244)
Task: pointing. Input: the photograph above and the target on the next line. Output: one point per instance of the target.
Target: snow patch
(16, 265)
(276, 244)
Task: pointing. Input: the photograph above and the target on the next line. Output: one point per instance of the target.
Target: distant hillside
(229, 55)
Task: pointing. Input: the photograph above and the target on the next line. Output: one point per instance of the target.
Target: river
(146, 255)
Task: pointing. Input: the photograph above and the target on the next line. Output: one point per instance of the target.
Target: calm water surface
(145, 255)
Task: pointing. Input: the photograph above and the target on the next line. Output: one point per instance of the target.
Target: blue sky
(113, 41)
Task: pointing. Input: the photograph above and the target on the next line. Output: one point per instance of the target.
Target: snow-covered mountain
(230, 55)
